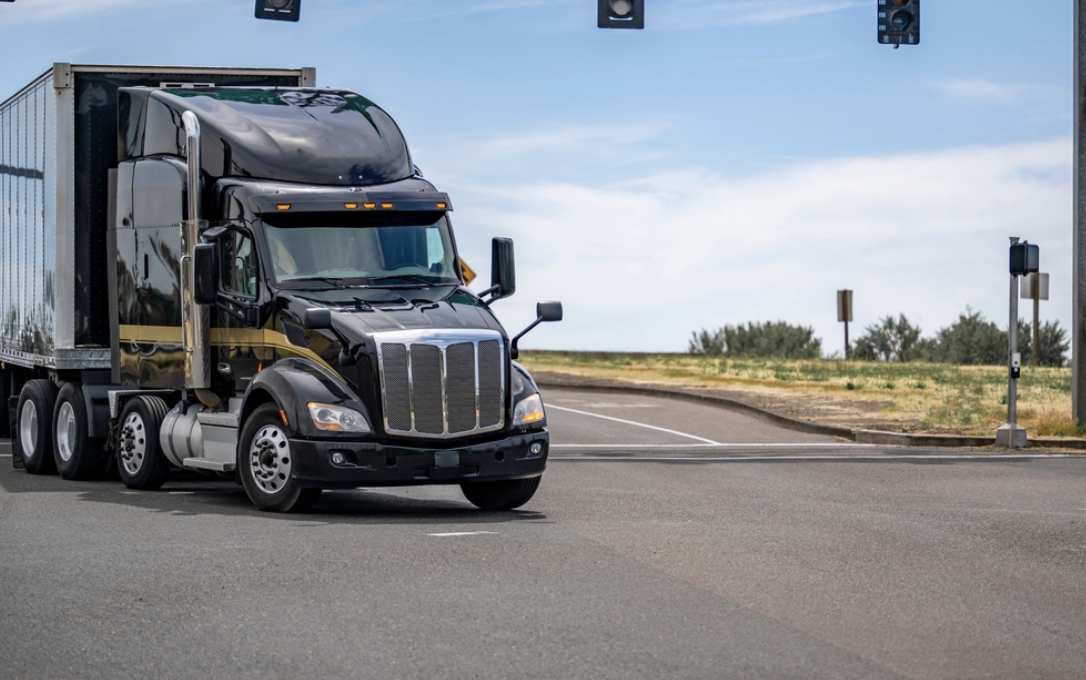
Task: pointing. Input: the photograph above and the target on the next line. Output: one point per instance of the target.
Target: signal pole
(1078, 274)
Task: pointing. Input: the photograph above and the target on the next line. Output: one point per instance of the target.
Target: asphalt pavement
(668, 539)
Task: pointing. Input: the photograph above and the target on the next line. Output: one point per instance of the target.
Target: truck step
(208, 464)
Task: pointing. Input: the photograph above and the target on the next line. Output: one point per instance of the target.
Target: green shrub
(889, 340)
(770, 339)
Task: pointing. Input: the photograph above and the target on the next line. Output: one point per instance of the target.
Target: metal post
(846, 341)
(1036, 290)
(1012, 348)
(1078, 324)
(1011, 435)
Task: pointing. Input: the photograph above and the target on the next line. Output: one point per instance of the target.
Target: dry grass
(919, 397)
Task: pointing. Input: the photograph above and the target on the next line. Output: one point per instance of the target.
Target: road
(668, 539)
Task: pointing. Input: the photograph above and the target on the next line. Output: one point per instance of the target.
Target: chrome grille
(442, 385)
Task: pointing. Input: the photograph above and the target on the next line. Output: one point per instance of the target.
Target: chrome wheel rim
(133, 444)
(66, 431)
(270, 460)
(28, 429)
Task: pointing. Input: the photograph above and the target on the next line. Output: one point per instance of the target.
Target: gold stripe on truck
(220, 337)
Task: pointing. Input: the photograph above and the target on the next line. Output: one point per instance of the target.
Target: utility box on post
(1025, 258)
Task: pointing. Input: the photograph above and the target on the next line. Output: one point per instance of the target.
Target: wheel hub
(133, 444)
(269, 459)
(66, 432)
(28, 429)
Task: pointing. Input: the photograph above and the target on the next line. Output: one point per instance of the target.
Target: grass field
(925, 397)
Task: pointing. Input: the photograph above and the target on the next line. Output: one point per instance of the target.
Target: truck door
(239, 346)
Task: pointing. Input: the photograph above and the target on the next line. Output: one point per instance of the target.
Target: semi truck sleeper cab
(282, 294)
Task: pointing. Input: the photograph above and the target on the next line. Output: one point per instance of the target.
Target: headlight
(337, 418)
(528, 410)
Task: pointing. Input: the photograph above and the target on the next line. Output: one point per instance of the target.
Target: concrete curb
(581, 383)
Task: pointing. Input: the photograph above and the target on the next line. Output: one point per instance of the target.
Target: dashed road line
(463, 533)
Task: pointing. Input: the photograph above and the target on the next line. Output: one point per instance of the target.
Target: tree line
(971, 340)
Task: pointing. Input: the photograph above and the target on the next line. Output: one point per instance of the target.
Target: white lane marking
(463, 533)
(605, 404)
(1010, 457)
(180, 493)
(754, 445)
(631, 422)
(6, 455)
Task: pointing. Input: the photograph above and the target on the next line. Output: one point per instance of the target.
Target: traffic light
(621, 13)
(899, 22)
(278, 10)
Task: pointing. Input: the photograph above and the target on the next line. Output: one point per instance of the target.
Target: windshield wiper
(409, 278)
(338, 283)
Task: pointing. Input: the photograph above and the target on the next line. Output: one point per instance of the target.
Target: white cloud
(643, 264)
(562, 138)
(426, 10)
(44, 10)
(701, 13)
(980, 90)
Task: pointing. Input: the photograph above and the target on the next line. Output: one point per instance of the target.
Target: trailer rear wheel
(76, 455)
(35, 426)
(265, 462)
(140, 461)
(503, 495)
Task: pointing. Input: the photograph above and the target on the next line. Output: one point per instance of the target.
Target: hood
(362, 312)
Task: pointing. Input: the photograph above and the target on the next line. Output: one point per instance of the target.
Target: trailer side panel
(27, 214)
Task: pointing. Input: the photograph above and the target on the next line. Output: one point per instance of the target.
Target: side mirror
(503, 270)
(205, 280)
(316, 319)
(544, 311)
(549, 311)
(320, 319)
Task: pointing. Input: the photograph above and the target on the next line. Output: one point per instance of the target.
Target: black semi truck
(235, 272)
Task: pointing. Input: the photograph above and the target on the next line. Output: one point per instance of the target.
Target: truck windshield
(390, 249)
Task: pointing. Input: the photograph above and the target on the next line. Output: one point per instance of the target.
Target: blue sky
(735, 161)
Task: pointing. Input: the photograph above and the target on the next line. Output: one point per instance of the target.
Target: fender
(294, 382)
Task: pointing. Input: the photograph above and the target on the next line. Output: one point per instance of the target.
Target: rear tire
(140, 461)
(76, 455)
(34, 426)
(504, 495)
(265, 462)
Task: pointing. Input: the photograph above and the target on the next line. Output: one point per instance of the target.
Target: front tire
(76, 455)
(140, 461)
(34, 424)
(504, 495)
(265, 461)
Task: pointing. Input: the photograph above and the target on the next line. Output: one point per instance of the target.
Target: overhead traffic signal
(278, 10)
(621, 13)
(899, 22)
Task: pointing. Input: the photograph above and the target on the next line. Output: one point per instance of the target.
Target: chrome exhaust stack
(195, 318)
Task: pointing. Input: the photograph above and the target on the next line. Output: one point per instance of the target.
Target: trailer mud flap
(16, 448)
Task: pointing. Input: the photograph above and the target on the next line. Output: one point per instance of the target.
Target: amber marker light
(350, 206)
(283, 206)
(386, 206)
(369, 206)
(442, 206)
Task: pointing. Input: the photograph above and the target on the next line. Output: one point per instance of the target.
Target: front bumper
(376, 464)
